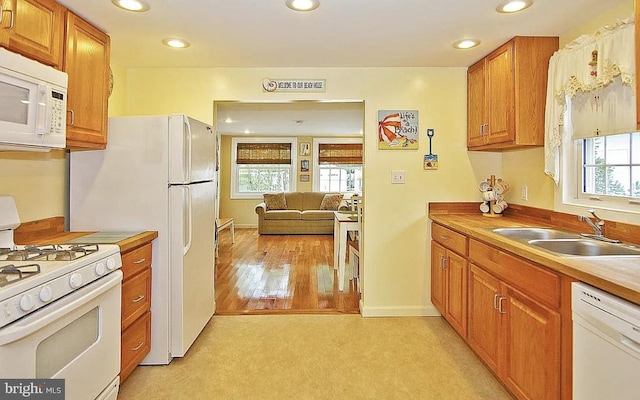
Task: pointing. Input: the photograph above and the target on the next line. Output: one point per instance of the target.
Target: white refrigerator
(158, 174)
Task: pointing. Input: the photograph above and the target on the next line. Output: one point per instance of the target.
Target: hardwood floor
(283, 274)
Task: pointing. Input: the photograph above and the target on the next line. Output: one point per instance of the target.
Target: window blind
(263, 153)
(340, 153)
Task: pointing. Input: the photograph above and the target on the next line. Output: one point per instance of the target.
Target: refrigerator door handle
(187, 149)
(188, 209)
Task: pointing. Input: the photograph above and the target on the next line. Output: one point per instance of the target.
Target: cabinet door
(87, 63)
(456, 304)
(532, 333)
(484, 320)
(438, 277)
(33, 28)
(476, 104)
(500, 94)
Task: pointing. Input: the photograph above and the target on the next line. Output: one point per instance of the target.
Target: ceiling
(293, 118)
(340, 33)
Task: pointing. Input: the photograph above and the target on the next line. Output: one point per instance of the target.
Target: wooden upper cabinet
(87, 63)
(33, 28)
(506, 93)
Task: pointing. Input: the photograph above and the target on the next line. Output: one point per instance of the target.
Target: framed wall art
(305, 149)
(304, 166)
(304, 178)
(398, 129)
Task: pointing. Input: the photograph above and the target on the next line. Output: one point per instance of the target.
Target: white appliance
(606, 345)
(60, 312)
(33, 104)
(157, 173)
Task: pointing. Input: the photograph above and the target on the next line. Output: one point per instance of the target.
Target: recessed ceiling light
(131, 5)
(303, 5)
(466, 43)
(246, 131)
(512, 6)
(228, 120)
(176, 43)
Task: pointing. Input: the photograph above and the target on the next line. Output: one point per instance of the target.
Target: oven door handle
(41, 318)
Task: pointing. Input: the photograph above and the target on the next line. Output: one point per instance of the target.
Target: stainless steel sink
(535, 233)
(585, 247)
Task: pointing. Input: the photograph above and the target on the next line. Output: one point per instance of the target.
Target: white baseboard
(246, 226)
(409, 311)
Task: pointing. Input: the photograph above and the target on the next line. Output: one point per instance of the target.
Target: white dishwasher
(606, 345)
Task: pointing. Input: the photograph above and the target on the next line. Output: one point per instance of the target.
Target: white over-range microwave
(33, 104)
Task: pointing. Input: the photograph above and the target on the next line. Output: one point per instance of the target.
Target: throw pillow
(331, 201)
(275, 201)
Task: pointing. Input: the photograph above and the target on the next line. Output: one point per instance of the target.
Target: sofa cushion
(275, 201)
(312, 200)
(317, 215)
(331, 201)
(294, 200)
(282, 214)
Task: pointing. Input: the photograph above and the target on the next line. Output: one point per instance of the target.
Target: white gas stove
(60, 309)
(32, 277)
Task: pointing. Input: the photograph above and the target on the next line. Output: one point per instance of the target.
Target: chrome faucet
(597, 227)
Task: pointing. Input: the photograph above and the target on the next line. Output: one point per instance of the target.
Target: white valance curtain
(589, 63)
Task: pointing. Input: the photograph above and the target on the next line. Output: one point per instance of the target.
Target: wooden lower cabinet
(136, 308)
(514, 314)
(516, 336)
(449, 277)
(532, 339)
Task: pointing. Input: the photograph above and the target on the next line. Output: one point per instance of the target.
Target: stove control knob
(46, 294)
(75, 280)
(101, 268)
(111, 264)
(26, 302)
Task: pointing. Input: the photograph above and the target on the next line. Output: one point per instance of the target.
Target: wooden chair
(222, 224)
(354, 243)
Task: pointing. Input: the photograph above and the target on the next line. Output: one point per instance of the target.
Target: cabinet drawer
(535, 281)
(136, 297)
(136, 344)
(135, 261)
(450, 239)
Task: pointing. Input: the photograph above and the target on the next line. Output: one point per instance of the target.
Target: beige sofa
(302, 216)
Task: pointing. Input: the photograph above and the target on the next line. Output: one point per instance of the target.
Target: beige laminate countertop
(614, 274)
(125, 244)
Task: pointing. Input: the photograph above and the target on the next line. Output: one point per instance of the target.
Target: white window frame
(293, 173)
(570, 187)
(316, 156)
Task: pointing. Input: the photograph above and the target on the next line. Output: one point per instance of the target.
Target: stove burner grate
(48, 253)
(11, 273)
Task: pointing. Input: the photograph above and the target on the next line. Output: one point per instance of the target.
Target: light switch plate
(397, 176)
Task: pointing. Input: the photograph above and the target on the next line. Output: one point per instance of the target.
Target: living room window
(339, 165)
(262, 165)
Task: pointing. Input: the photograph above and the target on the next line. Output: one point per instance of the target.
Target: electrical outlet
(397, 176)
(525, 193)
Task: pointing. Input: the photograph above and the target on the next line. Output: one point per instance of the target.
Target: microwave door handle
(43, 117)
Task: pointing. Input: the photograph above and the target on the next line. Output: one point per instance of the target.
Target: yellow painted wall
(526, 168)
(396, 278)
(36, 181)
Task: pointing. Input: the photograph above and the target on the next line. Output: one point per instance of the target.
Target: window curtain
(589, 64)
(263, 153)
(340, 153)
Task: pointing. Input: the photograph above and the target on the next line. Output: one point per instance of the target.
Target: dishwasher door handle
(630, 343)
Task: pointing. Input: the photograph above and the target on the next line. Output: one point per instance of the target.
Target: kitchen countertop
(125, 240)
(616, 275)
